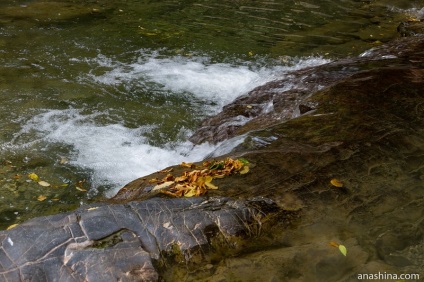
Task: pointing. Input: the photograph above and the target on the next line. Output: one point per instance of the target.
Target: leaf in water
(44, 183)
(80, 186)
(343, 250)
(64, 185)
(63, 160)
(92, 209)
(41, 198)
(337, 183)
(33, 176)
(334, 244)
(163, 185)
(12, 226)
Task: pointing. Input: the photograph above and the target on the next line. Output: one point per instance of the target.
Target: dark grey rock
(118, 242)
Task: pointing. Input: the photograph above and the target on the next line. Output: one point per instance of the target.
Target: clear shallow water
(95, 94)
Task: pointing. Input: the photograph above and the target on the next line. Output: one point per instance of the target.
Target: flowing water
(94, 94)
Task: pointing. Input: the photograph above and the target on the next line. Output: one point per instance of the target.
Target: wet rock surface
(362, 125)
(359, 121)
(118, 242)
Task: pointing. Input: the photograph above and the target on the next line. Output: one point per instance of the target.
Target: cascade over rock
(335, 159)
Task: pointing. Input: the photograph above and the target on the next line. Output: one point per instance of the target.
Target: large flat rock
(121, 242)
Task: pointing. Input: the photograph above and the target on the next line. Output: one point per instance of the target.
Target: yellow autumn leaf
(12, 226)
(190, 193)
(92, 209)
(41, 198)
(244, 170)
(43, 183)
(211, 186)
(153, 180)
(343, 250)
(80, 189)
(337, 183)
(33, 176)
(189, 165)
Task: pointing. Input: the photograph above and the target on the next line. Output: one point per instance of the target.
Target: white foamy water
(115, 154)
(216, 83)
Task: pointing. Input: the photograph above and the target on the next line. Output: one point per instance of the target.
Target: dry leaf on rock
(163, 185)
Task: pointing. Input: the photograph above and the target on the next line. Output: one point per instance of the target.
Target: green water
(54, 54)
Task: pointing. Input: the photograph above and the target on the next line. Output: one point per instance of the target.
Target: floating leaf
(92, 209)
(64, 185)
(80, 189)
(80, 186)
(343, 249)
(41, 198)
(12, 226)
(337, 183)
(34, 177)
(44, 183)
(63, 160)
(163, 185)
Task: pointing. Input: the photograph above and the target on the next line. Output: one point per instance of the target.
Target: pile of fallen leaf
(197, 182)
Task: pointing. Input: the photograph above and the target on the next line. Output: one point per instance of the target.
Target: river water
(94, 94)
